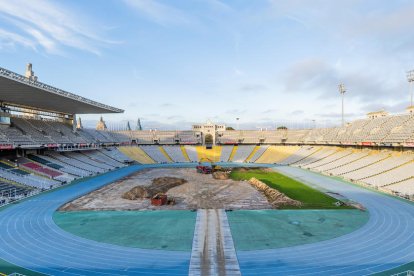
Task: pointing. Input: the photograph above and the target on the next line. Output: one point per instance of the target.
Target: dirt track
(200, 192)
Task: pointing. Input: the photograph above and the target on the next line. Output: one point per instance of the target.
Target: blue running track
(29, 238)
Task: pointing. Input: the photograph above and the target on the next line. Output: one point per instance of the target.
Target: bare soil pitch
(199, 192)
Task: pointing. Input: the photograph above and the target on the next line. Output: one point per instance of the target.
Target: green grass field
(310, 197)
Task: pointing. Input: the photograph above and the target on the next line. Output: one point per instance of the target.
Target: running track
(29, 238)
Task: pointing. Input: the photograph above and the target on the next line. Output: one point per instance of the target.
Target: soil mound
(274, 197)
(221, 175)
(158, 185)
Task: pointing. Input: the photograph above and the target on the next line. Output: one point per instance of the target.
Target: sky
(173, 63)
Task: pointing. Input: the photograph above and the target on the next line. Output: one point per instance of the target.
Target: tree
(282, 127)
(229, 128)
(209, 139)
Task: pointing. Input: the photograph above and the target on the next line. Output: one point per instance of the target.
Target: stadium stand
(297, 154)
(176, 153)
(117, 155)
(156, 154)
(275, 154)
(320, 164)
(192, 153)
(243, 151)
(137, 154)
(225, 153)
(212, 155)
(404, 188)
(64, 167)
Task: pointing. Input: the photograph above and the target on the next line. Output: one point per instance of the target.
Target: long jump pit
(189, 190)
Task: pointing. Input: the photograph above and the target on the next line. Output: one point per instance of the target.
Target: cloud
(253, 88)
(8, 39)
(398, 107)
(317, 77)
(159, 13)
(164, 105)
(236, 111)
(297, 112)
(267, 111)
(45, 25)
(310, 74)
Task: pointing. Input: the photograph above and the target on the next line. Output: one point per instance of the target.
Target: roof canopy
(18, 90)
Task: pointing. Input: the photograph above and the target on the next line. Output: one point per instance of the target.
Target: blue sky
(176, 62)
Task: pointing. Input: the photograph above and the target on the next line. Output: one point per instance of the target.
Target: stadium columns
(342, 91)
(74, 123)
(410, 78)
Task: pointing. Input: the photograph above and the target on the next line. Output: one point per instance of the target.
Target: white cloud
(159, 13)
(45, 25)
(8, 39)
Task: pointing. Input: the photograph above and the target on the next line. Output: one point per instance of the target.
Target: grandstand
(42, 147)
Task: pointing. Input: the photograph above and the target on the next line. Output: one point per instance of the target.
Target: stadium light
(410, 78)
(342, 91)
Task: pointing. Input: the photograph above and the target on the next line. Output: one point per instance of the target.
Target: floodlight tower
(342, 91)
(410, 78)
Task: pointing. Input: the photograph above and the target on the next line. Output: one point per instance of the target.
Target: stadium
(206, 201)
(206, 137)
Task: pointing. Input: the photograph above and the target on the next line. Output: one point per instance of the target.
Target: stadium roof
(16, 89)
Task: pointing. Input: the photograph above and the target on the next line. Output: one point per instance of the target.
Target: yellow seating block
(276, 154)
(209, 155)
(162, 150)
(256, 148)
(233, 152)
(185, 153)
(137, 154)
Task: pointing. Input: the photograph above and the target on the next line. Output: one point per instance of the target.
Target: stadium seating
(175, 153)
(275, 154)
(212, 154)
(328, 160)
(225, 153)
(155, 153)
(192, 153)
(62, 166)
(257, 154)
(115, 154)
(243, 151)
(137, 154)
(404, 188)
(316, 156)
(293, 155)
(73, 162)
(13, 190)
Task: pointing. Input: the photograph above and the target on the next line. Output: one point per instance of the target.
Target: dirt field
(200, 192)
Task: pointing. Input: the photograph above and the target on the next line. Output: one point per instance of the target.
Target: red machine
(159, 199)
(204, 169)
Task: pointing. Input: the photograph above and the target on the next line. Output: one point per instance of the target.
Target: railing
(405, 273)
